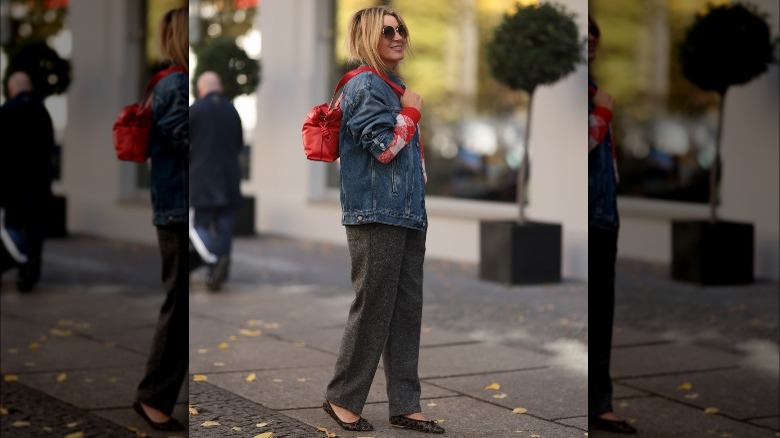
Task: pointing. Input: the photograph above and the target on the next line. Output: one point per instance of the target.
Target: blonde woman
(166, 367)
(383, 210)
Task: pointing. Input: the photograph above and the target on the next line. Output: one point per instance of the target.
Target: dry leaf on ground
(193, 411)
(250, 333)
(236, 428)
(112, 380)
(10, 378)
(3, 410)
(224, 346)
(78, 434)
(432, 405)
(502, 395)
(219, 364)
(62, 377)
(262, 424)
(199, 378)
(301, 379)
(20, 423)
(210, 423)
(60, 332)
(202, 350)
(265, 435)
(34, 345)
(233, 338)
(251, 377)
(519, 410)
(72, 425)
(254, 322)
(272, 325)
(438, 421)
(138, 432)
(685, 386)
(711, 410)
(691, 396)
(493, 386)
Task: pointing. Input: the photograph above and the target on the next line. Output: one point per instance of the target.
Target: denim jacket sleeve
(376, 119)
(172, 106)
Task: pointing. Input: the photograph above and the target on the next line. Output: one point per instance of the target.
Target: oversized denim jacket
(602, 184)
(169, 150)
(391, 193)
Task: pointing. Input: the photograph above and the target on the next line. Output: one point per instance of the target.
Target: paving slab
(625, 337)
(476, 359)
(748, 395)
(656, 417)
(549, 393)
(92, 389)
(302, 387)
(578, 422)
(68, 353)
(772, 423)
(621, 391)
(462, 417)
(664, 359)
(262, 353)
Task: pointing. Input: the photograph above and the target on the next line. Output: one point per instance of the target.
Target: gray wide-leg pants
(384, 320)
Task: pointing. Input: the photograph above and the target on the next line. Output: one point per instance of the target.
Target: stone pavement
(267, 344)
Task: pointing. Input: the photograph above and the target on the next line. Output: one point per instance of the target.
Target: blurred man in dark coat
(25, 179)
(216, 140)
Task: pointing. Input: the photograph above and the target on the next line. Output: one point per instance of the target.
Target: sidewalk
(267, 345)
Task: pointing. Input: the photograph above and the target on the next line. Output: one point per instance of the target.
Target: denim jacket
(169, 150)
(602, 183)
(374, 189)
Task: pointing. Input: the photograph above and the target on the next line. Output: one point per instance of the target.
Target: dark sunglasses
(389, 32)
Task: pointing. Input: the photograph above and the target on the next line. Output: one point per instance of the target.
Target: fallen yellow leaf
(62, 377)
(138, 433)
(78, 434)
(233, 338)
(691, 396)
(502, 395)
(265, 435)
(237, 429)
(711, 410)
(322, 429)
(193, 411)
(519, 410)
(88, 380)
(112, 379)
(685, 386)
(533, 435)
(251, 377)
(301, 379)
(219, 364)
(202, 350)
(199, 378)
(47, 429)
(432, 405)
(3, 410)
(262, 424)
(11, 378)
(19, 423)
(72, 425)
(331, 434)
(250, 333)
(438, 421)
(272, 325)
(254, 322)
(224, 346)
(493, 386)
(209, 423)
(60, 332)
(64, 322)
(34, 345)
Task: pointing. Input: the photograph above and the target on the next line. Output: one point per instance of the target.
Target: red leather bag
(134, 122)
(321, 128)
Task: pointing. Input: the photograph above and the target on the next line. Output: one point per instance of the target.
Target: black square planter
(245, 218)
(513, 253)
(712, 253)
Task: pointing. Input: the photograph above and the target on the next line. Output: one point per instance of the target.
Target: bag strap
(352, 73)
(158, 76)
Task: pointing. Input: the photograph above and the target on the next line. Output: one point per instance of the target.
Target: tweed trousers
(602, 254)
(384, 319)
(167, 364)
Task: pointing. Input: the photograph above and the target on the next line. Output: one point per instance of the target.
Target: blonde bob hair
(364, 32)
(173, 36)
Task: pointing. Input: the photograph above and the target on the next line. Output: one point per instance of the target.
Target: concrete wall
(100, 190)
(750, 186)
(291, 194)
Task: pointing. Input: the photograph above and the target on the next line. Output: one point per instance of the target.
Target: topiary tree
(49, 73)
(240, 74)
(727, 45)
(535, 45)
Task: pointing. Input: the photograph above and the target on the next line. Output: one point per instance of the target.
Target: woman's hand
(410, 98)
